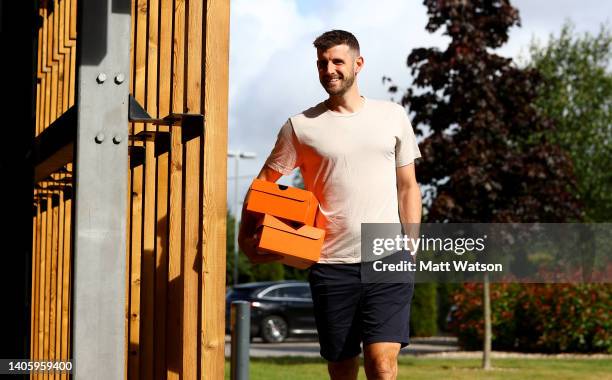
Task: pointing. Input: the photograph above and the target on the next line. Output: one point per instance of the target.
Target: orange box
(282, 201)
(300, 247)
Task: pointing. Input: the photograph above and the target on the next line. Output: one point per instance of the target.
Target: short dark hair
(336, 37)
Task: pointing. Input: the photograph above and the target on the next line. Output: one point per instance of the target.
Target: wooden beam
(216, 75)
(54, 146)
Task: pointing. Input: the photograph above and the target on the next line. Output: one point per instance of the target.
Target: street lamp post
(237, 155)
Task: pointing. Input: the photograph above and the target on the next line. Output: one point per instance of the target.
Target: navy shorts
(349, 311)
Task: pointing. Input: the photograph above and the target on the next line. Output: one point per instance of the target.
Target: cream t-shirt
(348, 161)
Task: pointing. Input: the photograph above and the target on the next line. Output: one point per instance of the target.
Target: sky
(272, 61)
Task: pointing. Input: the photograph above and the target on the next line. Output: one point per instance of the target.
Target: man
(357, 156)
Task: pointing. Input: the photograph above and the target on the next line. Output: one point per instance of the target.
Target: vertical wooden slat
(139, 80)
(64, 63)
(57, 67)
(161, 274)
(60, 278)
(66, 296)
(66, 254)
(148, 248)
(45, 67)
(53, 32)
(72, 44)
(40, 76)
(33, 282)
(47, 284)
(128, 274)
(41, 278)
(36, 287)
(53, 281)
(131, 357)
(193, 83)
(216, 74)
(175, 336)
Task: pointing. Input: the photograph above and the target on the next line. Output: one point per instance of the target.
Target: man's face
(337, 69)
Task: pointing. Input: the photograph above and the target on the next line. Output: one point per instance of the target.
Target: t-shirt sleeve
(285, 155)
(406, 147)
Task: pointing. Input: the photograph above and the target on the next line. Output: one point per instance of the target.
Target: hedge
(547, 318)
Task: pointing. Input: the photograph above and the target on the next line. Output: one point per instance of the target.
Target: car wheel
(274, 329)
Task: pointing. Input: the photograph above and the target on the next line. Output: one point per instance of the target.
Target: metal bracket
(192, 126)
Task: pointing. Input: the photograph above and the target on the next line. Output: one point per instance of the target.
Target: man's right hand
(249, 247)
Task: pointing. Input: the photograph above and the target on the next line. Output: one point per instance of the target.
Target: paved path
(309, 347)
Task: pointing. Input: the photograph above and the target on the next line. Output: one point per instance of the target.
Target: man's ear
(358, 64)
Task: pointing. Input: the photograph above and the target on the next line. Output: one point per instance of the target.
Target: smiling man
(357, 156)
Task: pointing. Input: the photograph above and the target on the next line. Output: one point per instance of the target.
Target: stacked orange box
(286, 225)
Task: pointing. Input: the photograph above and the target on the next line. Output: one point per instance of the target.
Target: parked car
(279, 309)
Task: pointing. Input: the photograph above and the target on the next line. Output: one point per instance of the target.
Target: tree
(481, 162)
(576, 94)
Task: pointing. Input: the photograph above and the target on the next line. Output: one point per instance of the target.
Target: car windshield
(291, 291)
(239, 293)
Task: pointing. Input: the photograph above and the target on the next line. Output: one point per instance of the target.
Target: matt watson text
(430, 266)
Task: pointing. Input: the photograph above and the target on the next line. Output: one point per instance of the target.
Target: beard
(338, 89)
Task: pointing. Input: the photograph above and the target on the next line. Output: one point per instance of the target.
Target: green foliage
(424, 310)
(244, 267)
(445, 292)
(576, 94)
(295, 274)
(298, 180)
(537, 317)
(267, 272)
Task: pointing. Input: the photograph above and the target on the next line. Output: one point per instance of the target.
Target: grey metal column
(241, 340)
(99, 341)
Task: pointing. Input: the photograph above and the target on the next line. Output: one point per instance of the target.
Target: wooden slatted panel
(51, 249)
(174, 300)
(176, 224)
(56, 63)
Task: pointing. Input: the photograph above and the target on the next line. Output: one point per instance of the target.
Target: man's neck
(350, 102)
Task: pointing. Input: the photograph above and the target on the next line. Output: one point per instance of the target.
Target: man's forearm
(410, 207)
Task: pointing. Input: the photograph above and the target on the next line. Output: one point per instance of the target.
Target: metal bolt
(119, 78)
(117, 139)
(99, 138)
(101, 78)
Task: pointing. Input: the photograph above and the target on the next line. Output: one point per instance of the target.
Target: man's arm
(246, 236)
(409, 200)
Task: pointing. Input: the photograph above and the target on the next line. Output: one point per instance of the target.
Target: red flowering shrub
(537, 317)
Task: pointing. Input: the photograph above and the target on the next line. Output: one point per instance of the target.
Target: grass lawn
(443, 368)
